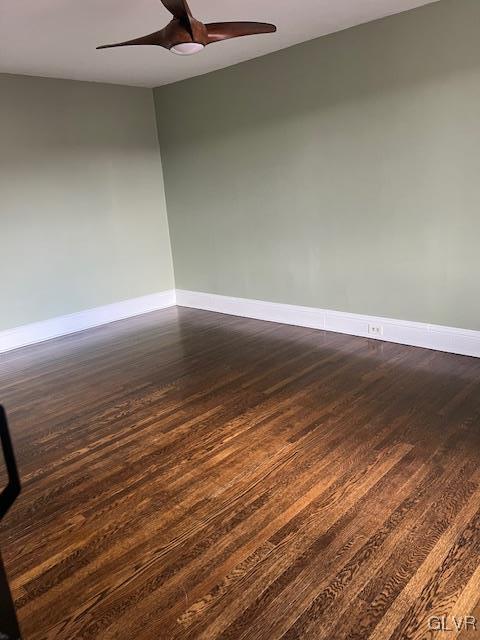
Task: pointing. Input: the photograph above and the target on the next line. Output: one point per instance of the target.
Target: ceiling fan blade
(158, 39)
(178, 8)
(225, 30)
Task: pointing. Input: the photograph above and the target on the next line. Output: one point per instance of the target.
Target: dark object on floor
(9, 629)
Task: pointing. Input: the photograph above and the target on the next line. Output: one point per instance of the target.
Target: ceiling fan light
(187, 48)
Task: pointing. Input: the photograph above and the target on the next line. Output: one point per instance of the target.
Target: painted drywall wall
(82, 207)
(342, 173)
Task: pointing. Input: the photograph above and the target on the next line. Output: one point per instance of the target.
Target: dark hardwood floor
(193, 475)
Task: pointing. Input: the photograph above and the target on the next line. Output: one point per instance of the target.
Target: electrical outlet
(375, 330)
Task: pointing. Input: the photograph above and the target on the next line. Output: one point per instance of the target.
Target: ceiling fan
(185, 35)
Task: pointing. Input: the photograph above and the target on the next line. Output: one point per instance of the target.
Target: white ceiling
(57, 38)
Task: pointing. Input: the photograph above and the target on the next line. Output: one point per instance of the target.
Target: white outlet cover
(375, 329)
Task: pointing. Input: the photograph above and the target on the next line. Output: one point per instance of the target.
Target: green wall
(342, 173)
(82, 207)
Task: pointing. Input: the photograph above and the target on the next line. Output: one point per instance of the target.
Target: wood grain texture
(193, 475)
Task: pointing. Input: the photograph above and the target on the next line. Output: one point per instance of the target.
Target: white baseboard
(74, 322)
(417, 334)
